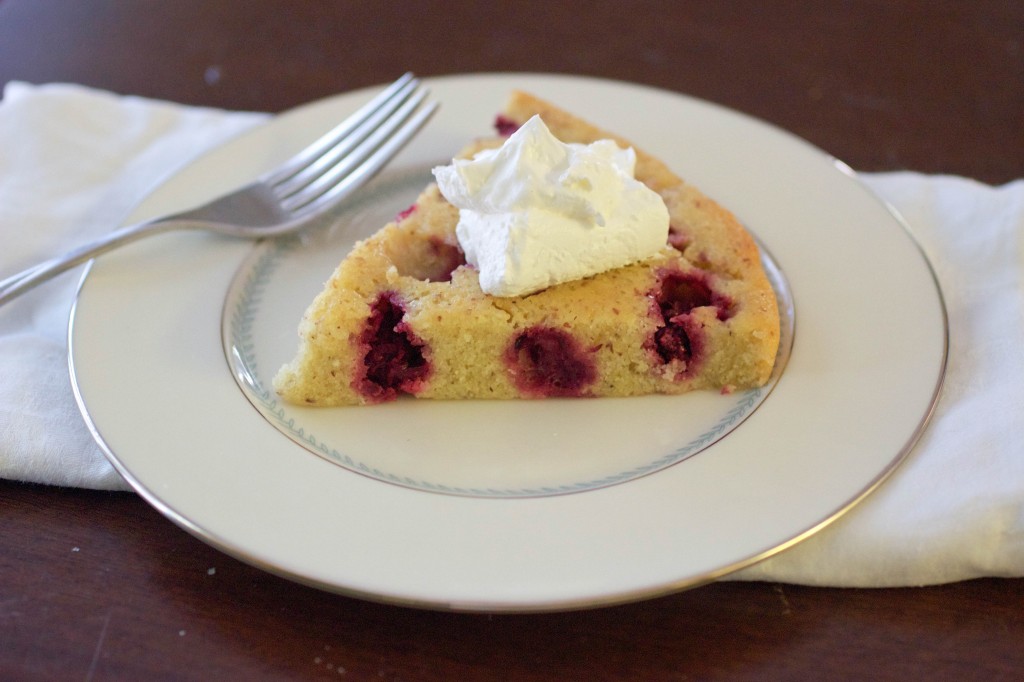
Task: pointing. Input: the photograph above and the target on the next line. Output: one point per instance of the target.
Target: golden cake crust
(699, 314)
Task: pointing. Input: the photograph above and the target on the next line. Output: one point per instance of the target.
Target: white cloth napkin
(74, 161)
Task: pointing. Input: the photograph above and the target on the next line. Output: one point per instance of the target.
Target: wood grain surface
(99, 586)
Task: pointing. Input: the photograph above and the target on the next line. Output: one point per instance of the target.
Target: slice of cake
(404, 313)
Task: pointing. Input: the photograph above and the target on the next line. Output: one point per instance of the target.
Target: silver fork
(285, 199)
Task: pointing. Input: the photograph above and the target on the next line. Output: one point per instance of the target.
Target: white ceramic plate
(510, 505)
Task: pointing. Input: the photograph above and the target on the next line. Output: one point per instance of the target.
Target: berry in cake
(548, 362)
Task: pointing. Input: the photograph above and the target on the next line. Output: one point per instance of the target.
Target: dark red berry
(549, 362)
(394, 361)
(504, 125)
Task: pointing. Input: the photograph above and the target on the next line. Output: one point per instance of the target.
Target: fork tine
(396, 92)
(344, 153)
(367, 160)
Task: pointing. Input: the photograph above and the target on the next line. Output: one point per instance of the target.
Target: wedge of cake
(405, 314)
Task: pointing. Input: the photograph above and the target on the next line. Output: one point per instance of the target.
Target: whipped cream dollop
(538, 212)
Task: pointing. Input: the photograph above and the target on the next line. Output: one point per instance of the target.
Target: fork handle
(19, 283)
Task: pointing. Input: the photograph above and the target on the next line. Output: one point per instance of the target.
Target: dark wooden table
(99, 586)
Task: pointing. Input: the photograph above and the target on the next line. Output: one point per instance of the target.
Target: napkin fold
(75, 161)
